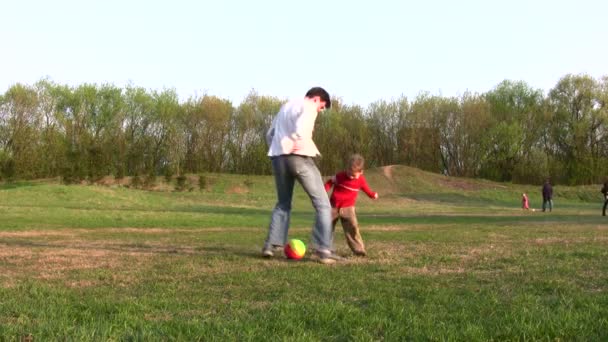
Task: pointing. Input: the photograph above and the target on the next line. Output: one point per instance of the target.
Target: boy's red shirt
(346, 189)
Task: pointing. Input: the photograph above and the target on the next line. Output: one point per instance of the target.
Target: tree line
(512, 133)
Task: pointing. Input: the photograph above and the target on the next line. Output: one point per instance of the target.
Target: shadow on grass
(230, 253)
(539, 217)
(221, 250)
(478, 200)
(234, 212)
(458, 199)
(16, 185)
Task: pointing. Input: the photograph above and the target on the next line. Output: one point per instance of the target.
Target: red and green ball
(295, 249)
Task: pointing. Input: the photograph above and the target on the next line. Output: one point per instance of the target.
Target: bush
(7, 169)
(181, 183)
(202, 182)
(69, 176)
(135, 182)
(150, 180)
(119, 174)
(168, 175)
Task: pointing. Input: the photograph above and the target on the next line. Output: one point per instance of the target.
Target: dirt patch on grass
(158, 317)
(38, 233)
(52, 261)
(170, 231)
(551, 240)
(110, 180)
(82, 261)
(459, 184)
(425, 270)
(142, 230)
(237, 189)
(54, 264)
(484, 253)
(566, 241)
(387, 171)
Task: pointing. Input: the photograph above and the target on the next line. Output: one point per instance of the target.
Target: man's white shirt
(291, 129)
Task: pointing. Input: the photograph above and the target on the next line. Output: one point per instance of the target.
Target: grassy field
(449, 259)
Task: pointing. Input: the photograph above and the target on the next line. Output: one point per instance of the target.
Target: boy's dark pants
(348, 218)
(605, 205)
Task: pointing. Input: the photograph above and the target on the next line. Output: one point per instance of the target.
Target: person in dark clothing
(605, 192)
(547, 196)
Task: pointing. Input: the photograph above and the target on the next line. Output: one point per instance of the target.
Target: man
(291, 152)
(547, 195)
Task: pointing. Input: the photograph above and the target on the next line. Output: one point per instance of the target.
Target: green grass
(449, 259)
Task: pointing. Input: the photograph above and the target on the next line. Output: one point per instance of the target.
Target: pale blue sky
(360, 51)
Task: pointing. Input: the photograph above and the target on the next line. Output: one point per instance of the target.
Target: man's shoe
(335, 257)
(268, 251)
(327, 258)
(326, 261)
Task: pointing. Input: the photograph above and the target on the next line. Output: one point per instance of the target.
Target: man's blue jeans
(287, 169)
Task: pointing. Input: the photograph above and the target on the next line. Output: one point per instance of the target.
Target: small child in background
(525, 204)
(346, 185)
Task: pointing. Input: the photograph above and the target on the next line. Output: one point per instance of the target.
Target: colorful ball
(295, 249)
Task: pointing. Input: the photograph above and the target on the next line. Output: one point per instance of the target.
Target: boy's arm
(366, 189)
(329, 183)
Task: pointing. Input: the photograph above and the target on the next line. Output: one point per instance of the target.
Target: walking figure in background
(525, 203)
(547, 195)
(605, 192)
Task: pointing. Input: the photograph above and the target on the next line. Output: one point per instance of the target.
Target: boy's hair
(321, 93)
(356, 162)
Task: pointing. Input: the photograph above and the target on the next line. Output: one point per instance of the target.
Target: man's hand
(287, 144)
(297, 145)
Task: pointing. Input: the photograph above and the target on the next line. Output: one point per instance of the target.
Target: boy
(346, 186)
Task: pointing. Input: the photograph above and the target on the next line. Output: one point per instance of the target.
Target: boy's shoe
(361, 253)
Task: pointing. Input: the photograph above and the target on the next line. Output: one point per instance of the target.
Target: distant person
(291, 153)
(547, 195)
(346, 185)
(605, 192)
(525, 203)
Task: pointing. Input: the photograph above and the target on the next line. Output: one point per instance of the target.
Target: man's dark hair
(321, 93)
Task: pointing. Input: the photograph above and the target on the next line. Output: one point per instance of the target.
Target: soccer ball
(295, 249)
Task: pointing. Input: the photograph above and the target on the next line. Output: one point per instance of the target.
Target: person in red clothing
(525, 203)
(346, 185)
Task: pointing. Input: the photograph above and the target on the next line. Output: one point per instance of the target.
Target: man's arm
(305, 124)
(270, 132)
